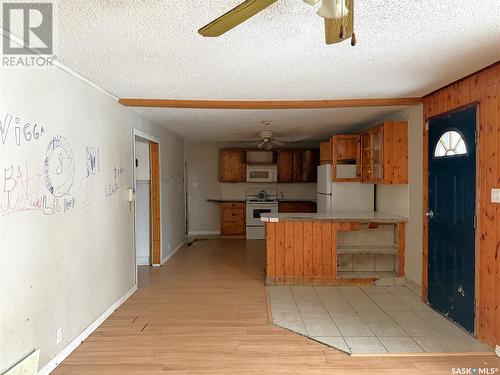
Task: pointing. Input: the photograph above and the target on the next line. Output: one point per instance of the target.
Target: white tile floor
(368, 320)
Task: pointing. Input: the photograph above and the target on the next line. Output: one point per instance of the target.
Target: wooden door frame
(144, 135)
(425, 228)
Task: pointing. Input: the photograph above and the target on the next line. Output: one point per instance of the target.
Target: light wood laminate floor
(204, 312)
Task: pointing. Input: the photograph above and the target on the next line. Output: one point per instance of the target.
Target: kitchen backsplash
(290, 191)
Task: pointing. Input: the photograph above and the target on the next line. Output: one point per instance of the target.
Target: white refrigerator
(342, 196)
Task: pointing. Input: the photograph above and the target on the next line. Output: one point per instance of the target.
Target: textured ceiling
(244, 125)
(151, 49)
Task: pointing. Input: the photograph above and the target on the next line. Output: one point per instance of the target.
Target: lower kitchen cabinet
(297, 207)
(232, 218)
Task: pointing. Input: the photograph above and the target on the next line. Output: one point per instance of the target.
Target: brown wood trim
(425, 224)
(268, 104)
(334, 281)
(155, 203)
(453, 110)
(401, 228)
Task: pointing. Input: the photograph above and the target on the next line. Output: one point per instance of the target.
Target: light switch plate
(495, 195)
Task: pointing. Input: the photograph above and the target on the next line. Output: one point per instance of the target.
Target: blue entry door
(452, 206)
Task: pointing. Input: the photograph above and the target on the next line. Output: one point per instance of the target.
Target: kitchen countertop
(350, 216)
(296, 200)
(226, 200)
(243, 200)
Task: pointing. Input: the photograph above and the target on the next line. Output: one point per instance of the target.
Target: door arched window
(451, 143)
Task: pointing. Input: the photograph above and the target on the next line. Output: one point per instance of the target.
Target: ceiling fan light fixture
(353, 39)
(333, 9)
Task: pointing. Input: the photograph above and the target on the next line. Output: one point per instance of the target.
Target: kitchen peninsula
(342, 248)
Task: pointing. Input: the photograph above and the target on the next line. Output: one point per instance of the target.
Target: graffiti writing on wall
(26, 132)
(53, 182)
(92, 169)
(111, 189)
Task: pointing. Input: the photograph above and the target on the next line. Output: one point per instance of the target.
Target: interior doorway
(452, 216)
(147, 199)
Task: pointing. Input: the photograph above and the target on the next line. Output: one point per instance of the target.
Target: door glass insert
(451, 143)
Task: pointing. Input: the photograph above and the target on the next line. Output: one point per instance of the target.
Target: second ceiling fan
(338, 16)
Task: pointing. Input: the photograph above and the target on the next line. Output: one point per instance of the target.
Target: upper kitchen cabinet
(346, 158)
(295, 165)
(232, 165)
(309, 167)
(285, 161)
(385, 153)
(325, 152)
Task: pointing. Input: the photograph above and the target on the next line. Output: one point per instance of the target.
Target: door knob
(429, 214)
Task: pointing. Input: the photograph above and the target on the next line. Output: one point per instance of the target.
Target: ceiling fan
(338, 16)
(268, 140)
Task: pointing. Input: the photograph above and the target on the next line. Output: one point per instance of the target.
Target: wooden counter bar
(302, 248)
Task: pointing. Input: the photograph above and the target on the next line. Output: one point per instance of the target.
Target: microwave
(262, 173)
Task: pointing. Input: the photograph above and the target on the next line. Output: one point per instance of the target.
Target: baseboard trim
(204, 233)
(61, 356)
(143, 261)
(414, 286)
(172, 253)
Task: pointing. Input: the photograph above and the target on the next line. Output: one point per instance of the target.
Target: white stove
(259, 202)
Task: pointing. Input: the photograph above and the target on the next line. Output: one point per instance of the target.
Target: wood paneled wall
(305, 253)
(482, 88)
(301, 252)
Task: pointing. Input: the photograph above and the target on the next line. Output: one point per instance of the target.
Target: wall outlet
(58, 335)
(495, 195)
(497, 350)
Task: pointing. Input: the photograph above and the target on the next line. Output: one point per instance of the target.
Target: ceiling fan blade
(332, 26)
(234, 17)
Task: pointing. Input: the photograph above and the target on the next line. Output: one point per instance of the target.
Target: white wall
(202, 160)
(65, 260)
(406, 200)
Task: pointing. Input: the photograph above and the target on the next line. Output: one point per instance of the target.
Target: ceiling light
(333, 9)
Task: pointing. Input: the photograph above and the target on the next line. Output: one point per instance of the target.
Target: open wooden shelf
(393, 250)
(365, 275)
